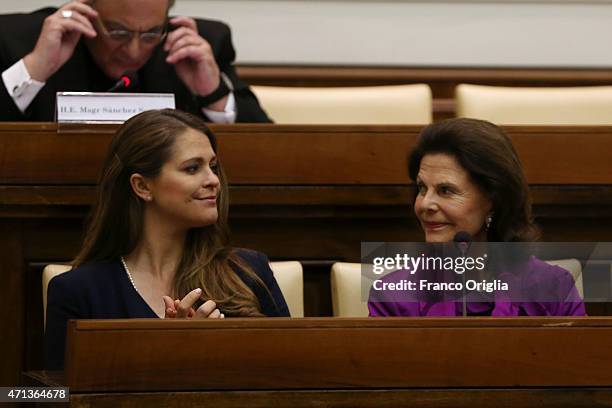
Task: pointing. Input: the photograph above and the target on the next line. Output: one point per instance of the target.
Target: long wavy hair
(487, 154)
(142, 145)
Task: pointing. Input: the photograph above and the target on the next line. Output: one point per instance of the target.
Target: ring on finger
(67, 13)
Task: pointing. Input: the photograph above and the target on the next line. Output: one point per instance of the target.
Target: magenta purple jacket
(542, 276)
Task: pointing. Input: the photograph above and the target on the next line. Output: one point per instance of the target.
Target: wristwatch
(224, 88)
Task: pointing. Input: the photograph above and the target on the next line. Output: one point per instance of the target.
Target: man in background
(87, 45)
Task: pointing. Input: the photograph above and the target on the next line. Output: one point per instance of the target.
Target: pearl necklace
(127, 270)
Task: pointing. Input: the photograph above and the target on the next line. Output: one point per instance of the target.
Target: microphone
(463, 241)
(128, 81)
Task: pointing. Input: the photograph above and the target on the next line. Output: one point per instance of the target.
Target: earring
(149, 198)
(488, 221)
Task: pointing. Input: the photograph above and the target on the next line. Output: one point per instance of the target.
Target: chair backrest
(289, 276)
(50, 271)
(346, 290)
(346, 286)
(588, 105)
(397, 104)
(574, 267)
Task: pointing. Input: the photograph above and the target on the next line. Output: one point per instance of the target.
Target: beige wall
(405, 32)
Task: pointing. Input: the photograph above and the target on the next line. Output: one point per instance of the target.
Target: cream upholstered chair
(289, 276)
(589, 105)
(346, 286)
(50, 271)
(397, 104)
(574, 267)
(346, 290)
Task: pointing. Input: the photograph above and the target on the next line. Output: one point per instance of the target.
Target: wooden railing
(392, 362)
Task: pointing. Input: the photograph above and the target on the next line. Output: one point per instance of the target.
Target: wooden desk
(423, 362)
(310, 193)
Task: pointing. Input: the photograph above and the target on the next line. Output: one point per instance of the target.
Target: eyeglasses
(123, 35)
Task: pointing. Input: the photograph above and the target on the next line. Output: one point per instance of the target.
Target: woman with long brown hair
(157, 244)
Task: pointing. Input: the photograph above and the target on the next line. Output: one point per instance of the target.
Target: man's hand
(193, 59)
(60, 33)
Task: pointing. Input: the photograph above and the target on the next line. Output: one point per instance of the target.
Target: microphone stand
(464, 300)
(462, 241)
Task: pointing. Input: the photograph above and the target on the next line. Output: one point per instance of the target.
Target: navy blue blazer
(103, 291)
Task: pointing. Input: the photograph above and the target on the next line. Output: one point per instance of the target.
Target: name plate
(104, 107)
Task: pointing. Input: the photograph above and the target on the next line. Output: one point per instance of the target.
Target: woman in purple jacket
(469, 179)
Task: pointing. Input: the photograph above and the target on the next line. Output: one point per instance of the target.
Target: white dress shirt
(23, 89)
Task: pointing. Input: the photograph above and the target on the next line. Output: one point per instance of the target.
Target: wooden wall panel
(302, 155)
(12, 288)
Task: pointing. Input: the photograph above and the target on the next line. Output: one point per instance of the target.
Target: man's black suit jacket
(19, 33)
